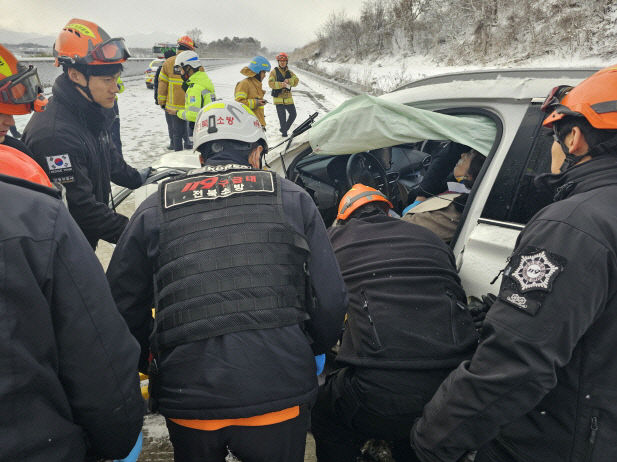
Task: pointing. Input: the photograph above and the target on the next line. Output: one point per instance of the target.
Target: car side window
(514, 198)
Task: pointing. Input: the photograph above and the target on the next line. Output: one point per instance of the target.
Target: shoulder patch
(529, 278)
(536, 271)
(210, 187)
(60, 168)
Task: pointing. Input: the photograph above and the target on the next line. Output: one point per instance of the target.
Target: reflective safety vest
(282, 95)
(228, 260)
(200, 92)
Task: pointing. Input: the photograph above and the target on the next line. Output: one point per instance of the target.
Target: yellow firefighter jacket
(248, 91)
(282, 95)
(170, 92)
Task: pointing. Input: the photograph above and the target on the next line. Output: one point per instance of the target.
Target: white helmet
(228, 120)
(188, 58)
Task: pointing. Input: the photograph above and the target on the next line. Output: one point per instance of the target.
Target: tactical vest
(280, 78)
(228, 260)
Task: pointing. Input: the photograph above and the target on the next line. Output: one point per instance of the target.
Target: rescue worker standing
(249, 91)
(543, 381)
(23, 94)
(71, 139)
(171, 95)
(68, 389)
(406, 329)
(168, 117)
(227, 247)
(199, 87)
(281, 80)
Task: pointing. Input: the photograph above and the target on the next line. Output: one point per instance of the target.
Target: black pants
(341, 424)
(179, 133)
(281, 111)
(282, 442)
(170, 127)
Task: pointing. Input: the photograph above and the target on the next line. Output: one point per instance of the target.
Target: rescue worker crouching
(22, 93)
(406, 329)
(249, 91)
(71, 138)
(69, 389)
(281, 80)
(198, 86)
(542, 384)
(227, 246)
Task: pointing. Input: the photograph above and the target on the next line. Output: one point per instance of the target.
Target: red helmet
(282, 56)
(16, 163)
(187, 42)
(358, 196)
(20, 88)
(83, 42)
(595, 99)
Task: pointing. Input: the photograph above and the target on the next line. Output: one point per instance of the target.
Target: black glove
(144, 173)
(479, 307)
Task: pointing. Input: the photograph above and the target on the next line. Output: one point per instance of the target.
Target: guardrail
(133, 67)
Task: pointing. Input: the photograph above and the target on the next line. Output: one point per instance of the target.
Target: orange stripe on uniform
(270, 418)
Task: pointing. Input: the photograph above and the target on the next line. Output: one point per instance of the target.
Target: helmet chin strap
(86, 89)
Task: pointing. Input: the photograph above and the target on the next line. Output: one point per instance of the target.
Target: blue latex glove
(411, 206)
(320, 362)
(134, 454)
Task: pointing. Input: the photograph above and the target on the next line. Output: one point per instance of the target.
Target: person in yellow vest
(171, 95)
(249, 91)
(281, 80)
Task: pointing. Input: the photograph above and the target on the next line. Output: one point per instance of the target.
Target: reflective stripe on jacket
(170, 92)
(276, 83)
(248, 91)
(199, 93)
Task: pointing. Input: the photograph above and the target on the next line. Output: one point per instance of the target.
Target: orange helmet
(282, 55)
(595, 99)
(358, 196)
(187, 42)
(83, 42)
(20, 88)
(16, 163)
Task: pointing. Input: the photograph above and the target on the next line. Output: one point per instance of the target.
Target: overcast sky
(278, 24)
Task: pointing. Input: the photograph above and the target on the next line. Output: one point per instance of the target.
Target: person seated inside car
(406, 329)
(441, 213)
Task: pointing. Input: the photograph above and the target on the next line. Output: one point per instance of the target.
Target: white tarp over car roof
(365, 122)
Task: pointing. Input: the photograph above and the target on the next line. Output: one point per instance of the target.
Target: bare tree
(195, 34)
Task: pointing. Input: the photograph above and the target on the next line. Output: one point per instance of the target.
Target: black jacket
(543, 381)
(68, 383)
(244, 373)
(17, 144)
(73, 126)
(406, 318)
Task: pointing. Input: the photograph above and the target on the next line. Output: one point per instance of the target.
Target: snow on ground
(389, 72)
(143, 129)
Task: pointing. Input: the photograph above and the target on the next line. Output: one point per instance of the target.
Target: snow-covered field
(144, 130)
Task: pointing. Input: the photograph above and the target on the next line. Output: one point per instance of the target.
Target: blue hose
(134, 454)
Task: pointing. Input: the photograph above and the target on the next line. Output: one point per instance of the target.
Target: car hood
(365, 122)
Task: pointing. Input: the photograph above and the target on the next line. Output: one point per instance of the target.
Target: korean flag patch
(60, 168)
(529, 278)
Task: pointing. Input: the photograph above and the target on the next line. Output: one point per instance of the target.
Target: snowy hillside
(392, 43)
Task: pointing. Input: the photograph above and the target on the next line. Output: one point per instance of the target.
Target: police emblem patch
(536, 271)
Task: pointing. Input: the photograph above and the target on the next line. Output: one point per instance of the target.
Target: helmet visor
(110, 51)
(21, 88)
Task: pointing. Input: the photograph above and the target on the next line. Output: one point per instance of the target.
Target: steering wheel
(364, 168)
